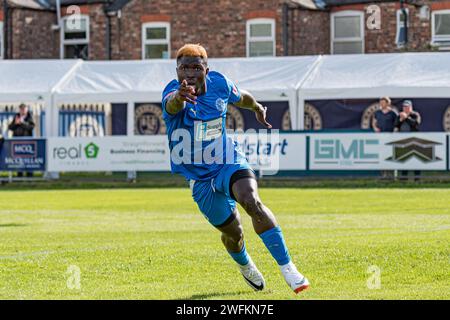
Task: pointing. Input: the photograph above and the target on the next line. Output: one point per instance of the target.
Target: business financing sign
(119, 153)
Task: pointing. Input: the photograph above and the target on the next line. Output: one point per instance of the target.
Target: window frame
(65, 42)
(397, 35)
(348, 13)
(249, 39)
(435, 40)
(145, 41)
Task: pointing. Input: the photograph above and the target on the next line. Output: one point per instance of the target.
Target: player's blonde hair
(192, 50)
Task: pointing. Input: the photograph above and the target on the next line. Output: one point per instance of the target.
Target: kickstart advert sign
(108, 154)
(384, 151)
(23, 155)
(274, 151)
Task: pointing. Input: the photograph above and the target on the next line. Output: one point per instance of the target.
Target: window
(1, 40)
(400, 38)
(75, 37)
(347, 32)
(441, 28)
(156, 40)
(261, 38)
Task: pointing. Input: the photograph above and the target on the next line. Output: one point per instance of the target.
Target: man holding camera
(408, 121)
(22, 126)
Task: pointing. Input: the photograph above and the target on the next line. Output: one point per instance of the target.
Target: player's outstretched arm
(249, 102)
(184, 94)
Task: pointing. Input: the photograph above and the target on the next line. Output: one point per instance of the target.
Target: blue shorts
(213, 196)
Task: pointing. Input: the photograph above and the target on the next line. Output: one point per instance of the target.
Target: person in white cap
(408, 120)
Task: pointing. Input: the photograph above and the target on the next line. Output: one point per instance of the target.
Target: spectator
(22, 126)
(384, 121)
(384, 118)
(408, 121)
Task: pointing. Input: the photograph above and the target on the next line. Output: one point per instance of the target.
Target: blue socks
(241, 257)
(274, 241)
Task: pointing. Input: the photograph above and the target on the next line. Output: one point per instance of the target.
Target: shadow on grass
(7, 225)
(213, 295)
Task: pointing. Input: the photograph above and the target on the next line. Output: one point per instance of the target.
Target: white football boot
(294, 279)
(252, 276)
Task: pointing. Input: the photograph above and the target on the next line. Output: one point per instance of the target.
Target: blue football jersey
(198, 142)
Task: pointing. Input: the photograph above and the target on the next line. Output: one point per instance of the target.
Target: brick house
(144, 29)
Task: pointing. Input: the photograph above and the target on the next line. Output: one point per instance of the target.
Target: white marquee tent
(33, 81)
(401, 75)
(292, 79)
(269, 79)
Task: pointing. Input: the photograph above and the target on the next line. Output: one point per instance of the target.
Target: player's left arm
(247, 101)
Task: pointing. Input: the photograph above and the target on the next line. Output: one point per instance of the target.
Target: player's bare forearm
(174, 104)
(185, 93)
(248, 101)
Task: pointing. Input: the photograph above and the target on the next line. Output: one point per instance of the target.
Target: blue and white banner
(151, 153)
(357, 114)
(82, 123)
(384, 151)
(285, 151)
(23, 155)
(149, 120)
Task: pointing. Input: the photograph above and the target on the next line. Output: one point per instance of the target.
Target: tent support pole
(131, 175)
(301, 115)
(51, 129)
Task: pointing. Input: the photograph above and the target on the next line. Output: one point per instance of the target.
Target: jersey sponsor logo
(208, 130)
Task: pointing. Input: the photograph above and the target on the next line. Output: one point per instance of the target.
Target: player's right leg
(221, 212)
(233, 240)
(245, 191)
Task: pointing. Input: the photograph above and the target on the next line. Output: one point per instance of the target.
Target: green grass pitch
(154, 244)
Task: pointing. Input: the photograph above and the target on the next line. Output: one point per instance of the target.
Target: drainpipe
(108, 32)
(58, 27)
(5, 29)
(285, 28)
(58, 12)
(405, 15)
